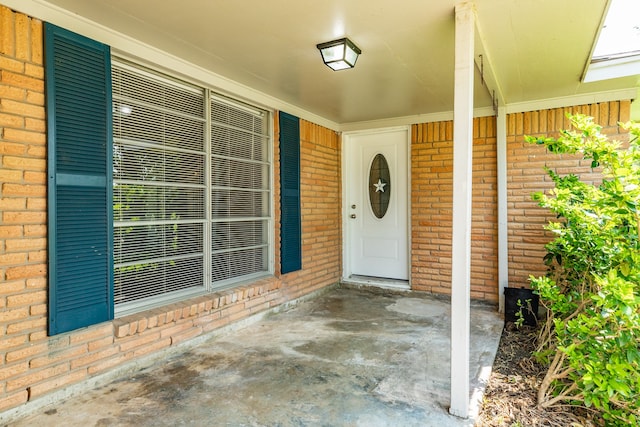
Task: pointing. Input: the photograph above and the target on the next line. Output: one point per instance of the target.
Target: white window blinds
(240, 191)
(191, 189)
(159, 185)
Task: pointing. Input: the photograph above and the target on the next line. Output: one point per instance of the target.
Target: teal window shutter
(290, 219)
(78, 94)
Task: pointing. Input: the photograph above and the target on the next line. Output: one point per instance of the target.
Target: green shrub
(591, 338)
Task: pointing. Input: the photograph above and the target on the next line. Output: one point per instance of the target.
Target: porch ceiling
(538, 49)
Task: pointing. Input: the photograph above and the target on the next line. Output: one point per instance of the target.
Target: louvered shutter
(78, 91)
(290, 228)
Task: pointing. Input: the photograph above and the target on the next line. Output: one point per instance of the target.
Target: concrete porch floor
(350, 357)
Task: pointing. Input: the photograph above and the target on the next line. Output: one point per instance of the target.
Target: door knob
(353, 216)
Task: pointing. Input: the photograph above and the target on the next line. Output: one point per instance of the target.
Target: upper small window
(620, 34)
(617, 50)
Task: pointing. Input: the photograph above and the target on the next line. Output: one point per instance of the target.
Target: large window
(191, 194)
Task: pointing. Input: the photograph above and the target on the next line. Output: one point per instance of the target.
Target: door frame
(346, 237)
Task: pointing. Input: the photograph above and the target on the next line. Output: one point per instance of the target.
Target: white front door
(376, 193)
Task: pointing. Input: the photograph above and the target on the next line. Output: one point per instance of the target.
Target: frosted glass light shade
(339, 54)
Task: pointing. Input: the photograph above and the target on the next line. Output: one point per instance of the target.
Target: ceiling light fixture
(339, 54)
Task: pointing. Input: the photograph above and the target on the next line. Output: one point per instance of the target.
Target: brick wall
(432, 178)
(33, 364)
(320, 198)
(431, 208)
(525, 175)
(23, 205)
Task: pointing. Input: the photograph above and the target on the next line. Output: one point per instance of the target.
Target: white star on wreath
(379, 186)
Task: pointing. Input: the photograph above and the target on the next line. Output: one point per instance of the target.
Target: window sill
(204, 313)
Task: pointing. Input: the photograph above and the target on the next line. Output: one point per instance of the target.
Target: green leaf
(592, 288)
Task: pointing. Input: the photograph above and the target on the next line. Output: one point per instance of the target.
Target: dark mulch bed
(511, 395)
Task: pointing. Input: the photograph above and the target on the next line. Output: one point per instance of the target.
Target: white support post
(461, 238)
(503, 237)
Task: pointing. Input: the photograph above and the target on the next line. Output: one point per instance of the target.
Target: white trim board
(570, 101)
(517, 107)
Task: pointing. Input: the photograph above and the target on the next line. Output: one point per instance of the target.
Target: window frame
(209, 286)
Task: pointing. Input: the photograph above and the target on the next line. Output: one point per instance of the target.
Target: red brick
(36, 204)
(31, 177)
(10, 120)
(23, 109)
(37, 336)
(157, 346)
(36, 283)
(24, 190)
(37, 125)
(12, 287)
(91, 334)
(173, 330)
(9, 92)
(12, 341)
(11, 64)
(13, 258)
(14, 176)
(133, 342)
(24, 217)
(16, 245)
(40, 152)
(34, 70)
(215, 324)
(11, 400)
(35, 376)
(185, 335)
(21, 81)
(22, 272)
(56, 357)
(11, 148)
(91, 358)
(233, 309)
(56, 383)
(152, 319)
(39, 230)
(206, 319)
(38, 310)
(23, 45)
(36, 41)
(101, 343)
(14, 314)
(36, 98)
(35, 323)
(7, 33)
(106, 364)
(27, 299)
